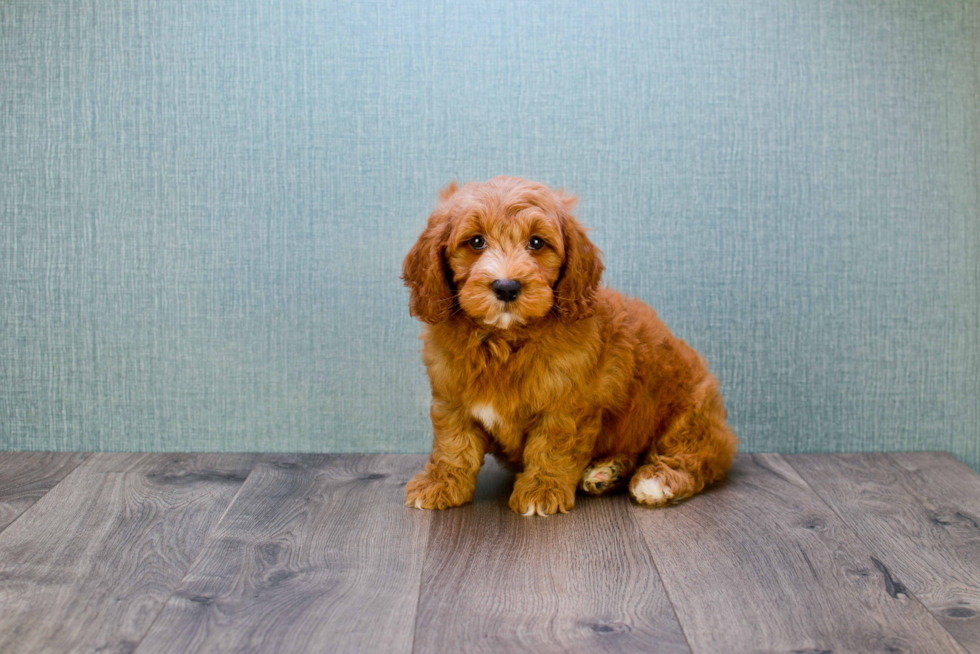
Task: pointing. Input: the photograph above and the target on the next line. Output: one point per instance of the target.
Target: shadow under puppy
(567, 383)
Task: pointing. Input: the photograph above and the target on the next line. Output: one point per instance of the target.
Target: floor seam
(88, 456)
(197, 557)
(639, 532)
(425, 564)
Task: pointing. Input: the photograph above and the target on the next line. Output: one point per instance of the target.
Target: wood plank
(762, 564)
(26, 476)
(89, 566)
(921, 513)
(317, 553)
(498, 582)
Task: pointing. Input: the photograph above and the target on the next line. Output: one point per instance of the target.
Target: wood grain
(88, 567)
(762, 564)
(26, 476)
(921, 513)
(317, 553)
(807, 553)
(583, 582)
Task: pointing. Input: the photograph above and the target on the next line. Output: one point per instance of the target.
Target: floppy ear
(578, 281)
(425, 273)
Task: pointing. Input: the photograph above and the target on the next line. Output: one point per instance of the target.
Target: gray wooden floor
(315, 553)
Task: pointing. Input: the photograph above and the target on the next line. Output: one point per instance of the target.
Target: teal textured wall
(204, 207)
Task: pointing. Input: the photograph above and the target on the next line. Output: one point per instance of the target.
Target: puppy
(569, 384)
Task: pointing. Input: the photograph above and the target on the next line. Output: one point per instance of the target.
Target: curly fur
(568, 382)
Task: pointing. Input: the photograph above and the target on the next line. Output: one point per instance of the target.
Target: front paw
(426, 492)
(537, 496)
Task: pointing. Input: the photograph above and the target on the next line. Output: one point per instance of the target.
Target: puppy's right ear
(425, 271)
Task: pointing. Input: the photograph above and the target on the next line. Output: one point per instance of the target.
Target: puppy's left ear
(578, 282)
(424, 272)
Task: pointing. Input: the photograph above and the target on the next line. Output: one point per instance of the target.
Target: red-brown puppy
(568, 383)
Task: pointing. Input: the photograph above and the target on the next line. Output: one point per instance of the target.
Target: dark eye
(477, 243)
(535, 243)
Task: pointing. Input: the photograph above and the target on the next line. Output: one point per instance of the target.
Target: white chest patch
(504, 320)
(486, 415)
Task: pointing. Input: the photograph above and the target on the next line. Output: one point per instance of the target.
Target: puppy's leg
(556, 452)
(695, 451)
(604, 475)
(458, 447)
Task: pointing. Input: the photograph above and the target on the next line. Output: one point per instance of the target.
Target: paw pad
(599, 478)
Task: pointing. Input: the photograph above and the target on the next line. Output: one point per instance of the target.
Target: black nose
(506, 290)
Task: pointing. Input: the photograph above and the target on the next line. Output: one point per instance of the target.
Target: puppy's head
(505, 252)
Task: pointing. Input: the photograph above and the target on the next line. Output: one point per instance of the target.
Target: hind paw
(658, 485)
(601, 476)
(652, 492)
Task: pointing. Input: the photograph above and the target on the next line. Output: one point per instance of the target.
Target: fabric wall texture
(204, 207)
